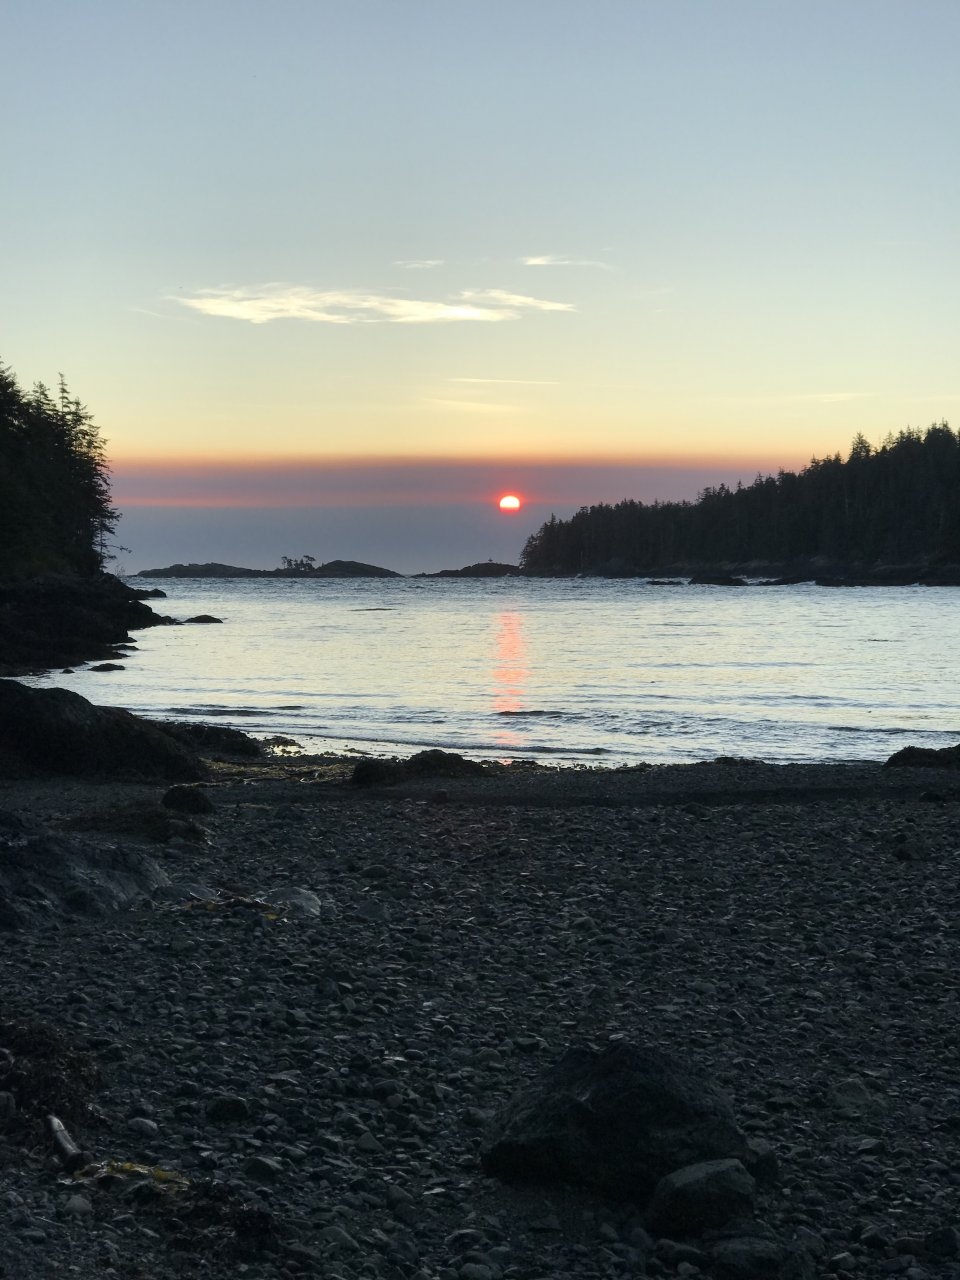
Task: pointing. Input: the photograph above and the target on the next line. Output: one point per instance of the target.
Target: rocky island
(294, 569)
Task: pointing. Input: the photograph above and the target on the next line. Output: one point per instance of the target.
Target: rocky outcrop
(425, 764)
(44, 874)
(57, 731)
(617, 1120)
(925, 758)
(61, 621)
(213, 741)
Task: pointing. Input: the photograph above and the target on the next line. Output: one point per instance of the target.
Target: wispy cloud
(260, 305)
(419, 264)
(554, 260)
(515, 301)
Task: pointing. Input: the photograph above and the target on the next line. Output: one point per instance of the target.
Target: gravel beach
(308, 1030)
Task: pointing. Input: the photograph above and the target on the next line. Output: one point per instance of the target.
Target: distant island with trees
(883, 514)
(307, 567)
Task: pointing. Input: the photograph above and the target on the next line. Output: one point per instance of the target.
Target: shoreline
(367, 974)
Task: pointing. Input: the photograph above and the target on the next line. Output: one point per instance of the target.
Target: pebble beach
(293, 1045)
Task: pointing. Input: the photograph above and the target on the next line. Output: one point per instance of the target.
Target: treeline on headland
(895, 505)
(55, 512)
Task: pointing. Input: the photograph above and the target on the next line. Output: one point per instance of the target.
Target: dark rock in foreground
(701, 1197)
(42, 873)
(425, 764)
(212, 740)
(57, 731)
(618, 1120)
(925, 758)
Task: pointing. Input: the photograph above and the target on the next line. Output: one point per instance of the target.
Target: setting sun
(509, 502)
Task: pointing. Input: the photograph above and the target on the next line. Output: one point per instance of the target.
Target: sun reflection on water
(510, 674)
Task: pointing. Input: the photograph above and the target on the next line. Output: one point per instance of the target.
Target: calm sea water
(590, 671)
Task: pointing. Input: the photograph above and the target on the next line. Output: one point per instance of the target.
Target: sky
(334, 276)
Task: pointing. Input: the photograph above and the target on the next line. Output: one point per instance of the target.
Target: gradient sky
(346, 261)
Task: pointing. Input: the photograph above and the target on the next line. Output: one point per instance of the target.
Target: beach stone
(943, 1243)
(851, 1096)
(187, 800)
(78, 1206)
(228, 1108)
(8, 1108)
(761, 1161)
(58, 731)
(619, 1120)
(205, 618)
(756, 1258)
(701, 1197)
(305, 902)
(140, 1124)
(262, 1168)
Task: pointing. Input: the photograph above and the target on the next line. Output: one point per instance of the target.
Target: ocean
(568, 671)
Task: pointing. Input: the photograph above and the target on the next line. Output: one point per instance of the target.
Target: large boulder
(43, 873)
(425, 764)
(925, 758)
(57, 731)
(618, 1120)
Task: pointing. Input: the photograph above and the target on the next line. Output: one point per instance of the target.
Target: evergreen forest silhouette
(55, 512)
(896, 505)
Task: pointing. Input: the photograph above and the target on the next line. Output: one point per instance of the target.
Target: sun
(509, 502)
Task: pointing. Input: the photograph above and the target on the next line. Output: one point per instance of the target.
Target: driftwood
(65, 1149)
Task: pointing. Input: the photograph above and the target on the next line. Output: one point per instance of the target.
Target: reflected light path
(510, 674)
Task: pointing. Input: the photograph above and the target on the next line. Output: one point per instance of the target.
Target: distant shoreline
(764, 575)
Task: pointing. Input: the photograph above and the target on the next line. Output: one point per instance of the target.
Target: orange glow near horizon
(249, 482)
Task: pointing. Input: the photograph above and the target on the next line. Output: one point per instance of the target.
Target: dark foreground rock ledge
(59, 621)
(57, 731)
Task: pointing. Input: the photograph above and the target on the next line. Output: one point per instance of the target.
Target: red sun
(509, 502)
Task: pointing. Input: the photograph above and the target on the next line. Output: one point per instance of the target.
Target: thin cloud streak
(419, 264)
(263, 304)
(508, 382)
(517, 300)
(552, 260)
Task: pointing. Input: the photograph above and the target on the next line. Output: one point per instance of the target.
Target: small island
(305, 567)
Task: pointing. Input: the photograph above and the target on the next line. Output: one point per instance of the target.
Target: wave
(545, 715)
